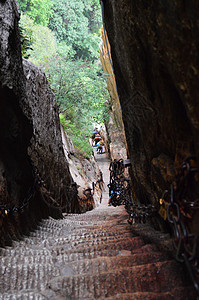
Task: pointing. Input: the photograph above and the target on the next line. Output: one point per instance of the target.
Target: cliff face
(114, 126)
(154, 47)
(29, 129)
(46, 149)
(15, 129)
(86, 175)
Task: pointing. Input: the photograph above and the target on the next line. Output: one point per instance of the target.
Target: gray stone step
(105, 263)
(126, 244)
(147, 278)
(96, 255)
(179, 293)
(26, 276)
(24, 295)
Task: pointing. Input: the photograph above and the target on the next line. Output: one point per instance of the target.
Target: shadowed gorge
(64, 230)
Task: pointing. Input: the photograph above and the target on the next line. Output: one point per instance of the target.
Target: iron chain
(120, 194)
(186, 244)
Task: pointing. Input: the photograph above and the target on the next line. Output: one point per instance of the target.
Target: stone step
(73, 242)
(86, 237)
(159, 277)
(24, 251)
(105, 264)
(179, 293)
(25, 260)
(26, 276)
(24, 295)
(73, 239)
(79, 241)
(145, 248)
(98, 217)
(72, 256)
(126, 244)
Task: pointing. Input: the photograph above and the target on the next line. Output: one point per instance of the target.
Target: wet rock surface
(96, 255)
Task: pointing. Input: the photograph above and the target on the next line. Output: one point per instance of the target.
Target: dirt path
(95, 255)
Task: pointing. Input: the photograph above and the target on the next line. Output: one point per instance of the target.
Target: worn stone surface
(154, 47)
(95, 255)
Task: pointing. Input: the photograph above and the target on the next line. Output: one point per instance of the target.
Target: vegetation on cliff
(63, 38)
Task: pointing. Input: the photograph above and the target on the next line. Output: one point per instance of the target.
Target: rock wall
(15, 129)
(114, 126)
(29, 128)
(86, 175)
(154, 47)
(46, 149)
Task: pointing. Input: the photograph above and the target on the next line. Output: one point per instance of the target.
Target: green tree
(24, 4)
(68, 53)
(41, 38)
(39, 10)
(73, 23)
(80, 91)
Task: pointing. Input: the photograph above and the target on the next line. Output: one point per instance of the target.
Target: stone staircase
(96, 255)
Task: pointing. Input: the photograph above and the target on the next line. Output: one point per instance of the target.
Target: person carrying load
(94, 133)
(100, 147)
(97, 138)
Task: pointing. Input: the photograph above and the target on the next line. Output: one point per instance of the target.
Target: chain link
(176, 211)
(6, 210)
(120, 194)
(178, 214)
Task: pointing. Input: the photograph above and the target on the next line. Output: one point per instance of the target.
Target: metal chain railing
(120, 194)
(6, 210)
(176, 211)
(179, 213)
(46, 195)
(185, 243)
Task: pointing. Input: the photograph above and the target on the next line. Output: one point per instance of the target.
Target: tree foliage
(40, 38)
(62, 37)
(38, 10)
(80, 91)
(77, 23)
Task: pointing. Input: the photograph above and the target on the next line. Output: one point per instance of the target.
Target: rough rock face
(46, 149)
(154, 47)
(114, 126)
(85, 174)
(15, 129)
(28, 127)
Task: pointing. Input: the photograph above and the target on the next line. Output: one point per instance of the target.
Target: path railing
(172, 207)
